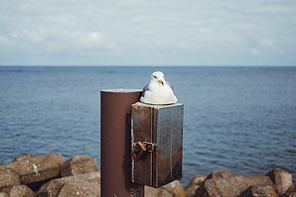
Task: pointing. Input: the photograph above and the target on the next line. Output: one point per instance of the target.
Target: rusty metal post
(116, 144)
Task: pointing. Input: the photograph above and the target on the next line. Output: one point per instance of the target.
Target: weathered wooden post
(116, 143)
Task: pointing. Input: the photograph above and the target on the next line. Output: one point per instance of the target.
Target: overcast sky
(148, 32)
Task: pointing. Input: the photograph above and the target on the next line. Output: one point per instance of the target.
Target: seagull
(158, 91)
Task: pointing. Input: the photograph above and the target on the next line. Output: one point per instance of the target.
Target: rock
(292, 194)
(9, 177)
(50, 189)
(150, 191)
(80, 164)
(36, 186)
(292, 188)
(190, 192)
(164, 193)
(53, 187)
(80, 189)
(218, 174)
(3, 194)
(214, 175)
(256, 190)
(23, 157)
(231, 186)
(175, 188)
(37, 168)
(197, 179)
(282, 180)
(18, 191)
(194, 184)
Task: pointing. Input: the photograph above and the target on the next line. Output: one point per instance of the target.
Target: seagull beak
(161, 82)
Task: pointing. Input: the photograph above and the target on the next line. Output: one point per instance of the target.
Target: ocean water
(240, 119)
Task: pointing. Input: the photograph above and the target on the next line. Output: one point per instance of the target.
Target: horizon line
(147, 65)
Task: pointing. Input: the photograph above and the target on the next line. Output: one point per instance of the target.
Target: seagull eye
(155, 77)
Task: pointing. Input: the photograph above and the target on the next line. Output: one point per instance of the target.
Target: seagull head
(158, 77)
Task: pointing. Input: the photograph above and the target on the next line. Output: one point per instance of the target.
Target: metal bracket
(150, 146)
(142, 148)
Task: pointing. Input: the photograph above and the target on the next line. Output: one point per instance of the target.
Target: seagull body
(158, 91)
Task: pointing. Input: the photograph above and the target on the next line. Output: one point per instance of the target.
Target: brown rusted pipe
(116, 143)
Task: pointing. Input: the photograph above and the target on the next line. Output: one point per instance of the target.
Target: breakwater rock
(50, 176)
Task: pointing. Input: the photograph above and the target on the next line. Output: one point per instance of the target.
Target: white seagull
(158, 91)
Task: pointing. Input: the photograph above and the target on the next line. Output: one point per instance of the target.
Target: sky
(148, 32)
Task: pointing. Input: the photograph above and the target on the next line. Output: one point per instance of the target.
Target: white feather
(158, 91)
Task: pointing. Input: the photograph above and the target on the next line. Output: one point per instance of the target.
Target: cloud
(139, 32)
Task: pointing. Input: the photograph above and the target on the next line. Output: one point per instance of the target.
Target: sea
(239, 119)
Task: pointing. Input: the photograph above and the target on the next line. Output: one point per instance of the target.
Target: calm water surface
(238, 119)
